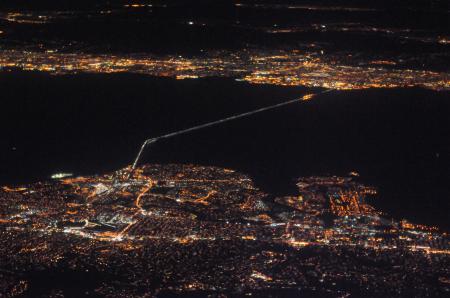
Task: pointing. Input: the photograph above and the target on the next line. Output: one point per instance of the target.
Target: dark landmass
(423, 4)
(411, 34)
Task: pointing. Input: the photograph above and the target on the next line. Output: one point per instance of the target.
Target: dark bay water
(398, 140)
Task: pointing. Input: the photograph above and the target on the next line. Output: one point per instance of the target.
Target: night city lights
(225, 148)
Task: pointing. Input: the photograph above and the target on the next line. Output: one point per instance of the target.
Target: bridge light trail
(209, 124)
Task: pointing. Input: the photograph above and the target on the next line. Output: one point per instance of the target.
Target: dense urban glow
(291, 68)
(191, 211)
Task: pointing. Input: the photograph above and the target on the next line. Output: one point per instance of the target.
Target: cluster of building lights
(283, 68)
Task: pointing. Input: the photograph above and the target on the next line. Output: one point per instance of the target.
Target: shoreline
(396, 139)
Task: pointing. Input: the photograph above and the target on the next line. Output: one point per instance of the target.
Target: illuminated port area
(283, 67)
(193, 229)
